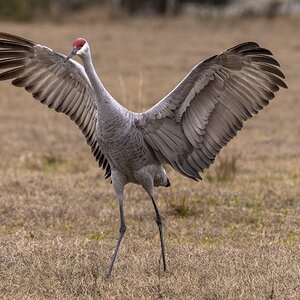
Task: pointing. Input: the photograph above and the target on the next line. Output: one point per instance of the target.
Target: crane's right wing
(62, 86)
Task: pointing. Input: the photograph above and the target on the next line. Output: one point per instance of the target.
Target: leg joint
(122, 229)
(158, 220)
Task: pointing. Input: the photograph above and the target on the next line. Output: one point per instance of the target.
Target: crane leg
(159, 224)
(121, 231)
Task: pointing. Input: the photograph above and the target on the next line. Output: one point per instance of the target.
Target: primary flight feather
(186, 129)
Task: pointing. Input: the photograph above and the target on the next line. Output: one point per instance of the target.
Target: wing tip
(16, 38)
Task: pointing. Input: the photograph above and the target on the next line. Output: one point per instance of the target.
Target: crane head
(80, 46)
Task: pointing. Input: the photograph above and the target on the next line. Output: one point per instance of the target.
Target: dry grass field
(234, 235)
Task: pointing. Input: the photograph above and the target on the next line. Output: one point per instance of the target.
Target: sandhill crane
(186, 129)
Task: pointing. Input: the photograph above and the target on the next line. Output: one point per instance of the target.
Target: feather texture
(210, 105)
(61, 86)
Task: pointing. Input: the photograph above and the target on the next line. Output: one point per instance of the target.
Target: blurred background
(27, 10)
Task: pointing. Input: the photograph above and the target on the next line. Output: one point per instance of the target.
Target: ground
(234, 235)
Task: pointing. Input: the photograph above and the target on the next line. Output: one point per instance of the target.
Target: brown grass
(232, 239)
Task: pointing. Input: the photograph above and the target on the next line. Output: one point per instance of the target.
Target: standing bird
(186, 129)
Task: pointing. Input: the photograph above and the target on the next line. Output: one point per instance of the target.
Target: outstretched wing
(61, 86)
(189, 127)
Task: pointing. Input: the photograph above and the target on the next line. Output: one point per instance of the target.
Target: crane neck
(102, 95)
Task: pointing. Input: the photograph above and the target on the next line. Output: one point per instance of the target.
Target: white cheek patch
(83, 49)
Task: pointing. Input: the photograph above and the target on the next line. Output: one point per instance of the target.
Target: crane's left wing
(62, 86)
(188, 128)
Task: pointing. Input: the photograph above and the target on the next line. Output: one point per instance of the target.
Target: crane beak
(73, 53)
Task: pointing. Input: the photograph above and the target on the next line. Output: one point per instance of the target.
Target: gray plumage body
(186, 129)
(129, 156)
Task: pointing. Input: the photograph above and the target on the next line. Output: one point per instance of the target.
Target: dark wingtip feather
(261, 56)
(270, 69)
(257, 51)
(244, 46)
(11, 63)
(4, 53)
(12, 37)
(8, 44)
(264, 59)
(11, 74)
(283, 85)
(277, 81)
(108, 172)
